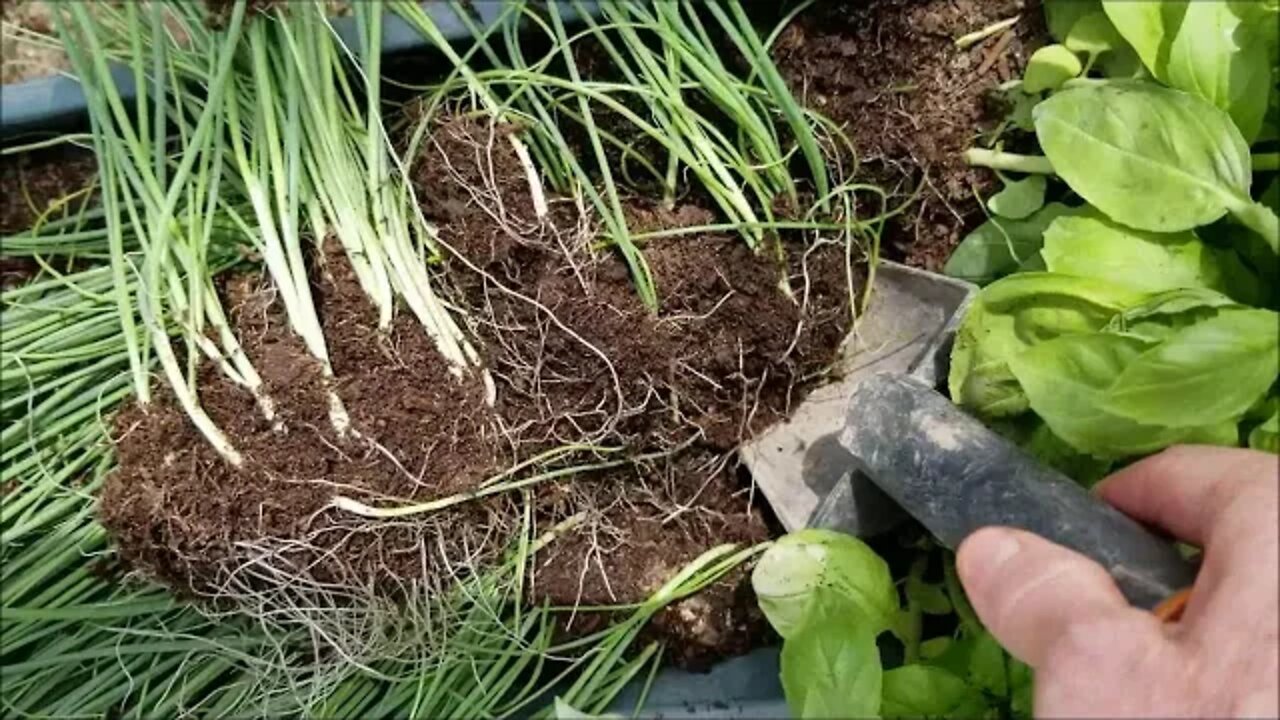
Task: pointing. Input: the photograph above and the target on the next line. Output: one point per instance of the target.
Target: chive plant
(735, 136)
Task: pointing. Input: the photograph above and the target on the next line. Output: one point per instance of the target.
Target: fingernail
(984, 552)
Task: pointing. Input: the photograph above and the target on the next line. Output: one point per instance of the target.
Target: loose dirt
(912, 102)
(575, 358)
(40, 184)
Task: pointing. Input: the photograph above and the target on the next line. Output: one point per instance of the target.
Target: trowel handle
(954, 475)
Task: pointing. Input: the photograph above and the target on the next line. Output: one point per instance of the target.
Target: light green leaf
(1220, 58)
(1020, 198)
(1055, 452)
(1013, 314)
(1093, 246)
(1148, 26)
(924, 691)
(933, 647)
(1049, 67)
(1209, 373)
(1062, 15)
(1066, 381)
(802, 569)
(987, 664)
(1094, 35)
(1122, 63)
(930, 598)
(1267, 435)
(1149, 157)
(831, 667)
(1165, 314)
(999, 246)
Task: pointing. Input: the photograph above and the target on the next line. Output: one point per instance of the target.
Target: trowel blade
(954, 475)
(905, 327)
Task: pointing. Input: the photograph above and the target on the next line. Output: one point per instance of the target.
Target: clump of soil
(575, 357)
(912, 102)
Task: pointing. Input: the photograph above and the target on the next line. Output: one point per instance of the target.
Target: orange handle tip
(1171, 608)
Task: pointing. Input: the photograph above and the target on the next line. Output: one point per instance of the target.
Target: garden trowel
(954, 475)
(880, 444)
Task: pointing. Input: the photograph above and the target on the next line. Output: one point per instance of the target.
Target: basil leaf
(1062, 15)
(1165, 314)
(1055, 452)
(1093, 246)
(998, 246)
(1013, 314)
(806, 568)
(1094, 35)
(1266, 436)
(1066, 381)
(1209, 373)
(1149, 157)
(1220, 58)
(1049, 67)
(830, 666)
(1148, 26)
(930, 598)
(1020, 198)
(922, 691)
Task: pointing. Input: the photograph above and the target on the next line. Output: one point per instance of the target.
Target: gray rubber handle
(954, 475)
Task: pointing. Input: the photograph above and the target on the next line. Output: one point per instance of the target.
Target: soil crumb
(575, 358)
(889, 71)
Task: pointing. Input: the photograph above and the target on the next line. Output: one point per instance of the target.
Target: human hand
(1093, 653)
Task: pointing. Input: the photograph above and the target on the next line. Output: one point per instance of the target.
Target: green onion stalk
(735, 136)
(360, 197)
(271, 169)
(137, 185)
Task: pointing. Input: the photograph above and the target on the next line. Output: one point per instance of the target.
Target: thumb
(1030, 592)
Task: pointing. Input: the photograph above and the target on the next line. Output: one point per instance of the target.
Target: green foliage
(1020, 198)
(1181, 345)
(1049, 67)
(1149, 157)
(1062, 15)
(1266, 436)
(806, 566)
(830, 666)
(1220, 56)
(1090, 245)
(1215, 370)
(1001, 246)
(831, 663)
(926, 691)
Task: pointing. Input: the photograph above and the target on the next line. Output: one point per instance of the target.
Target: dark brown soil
(912, 102)
(30, 183)
(575, 358)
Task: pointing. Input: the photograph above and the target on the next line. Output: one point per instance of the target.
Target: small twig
(965, 42)
(996, 52)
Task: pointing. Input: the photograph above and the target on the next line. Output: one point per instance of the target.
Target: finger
(1030, 592)
(1185, 490)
